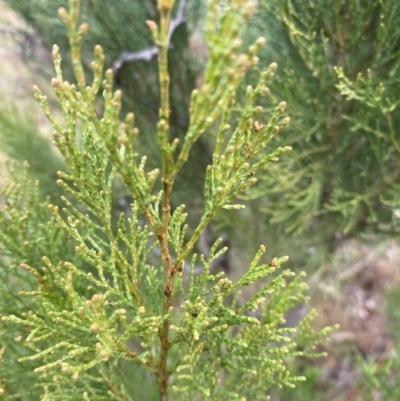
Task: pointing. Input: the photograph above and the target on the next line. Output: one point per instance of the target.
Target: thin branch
(149, 53)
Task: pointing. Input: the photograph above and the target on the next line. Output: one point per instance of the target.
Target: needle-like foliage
(119, 310)
(340, 63)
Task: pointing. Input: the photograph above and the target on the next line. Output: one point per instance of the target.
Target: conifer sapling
(124, 315)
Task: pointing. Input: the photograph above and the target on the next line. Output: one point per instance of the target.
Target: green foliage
(380, 377)
(118, 26)
(340, 61)
(21, 141)
(27, 233)
(309, 390)
(378, 117)
(338, 75)
(121, 309)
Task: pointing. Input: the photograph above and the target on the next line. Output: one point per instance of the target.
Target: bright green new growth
(126, 315)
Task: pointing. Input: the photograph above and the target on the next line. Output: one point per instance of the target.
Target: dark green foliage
(21, 141)
(343, 174)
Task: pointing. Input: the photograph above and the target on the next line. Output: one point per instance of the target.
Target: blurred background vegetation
(333, 206)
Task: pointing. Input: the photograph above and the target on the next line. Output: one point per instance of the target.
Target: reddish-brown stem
(162, 231)
(165, 344)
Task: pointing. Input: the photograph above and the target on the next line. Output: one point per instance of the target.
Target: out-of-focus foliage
(379, 378)
(339, 67)
(21, 141)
